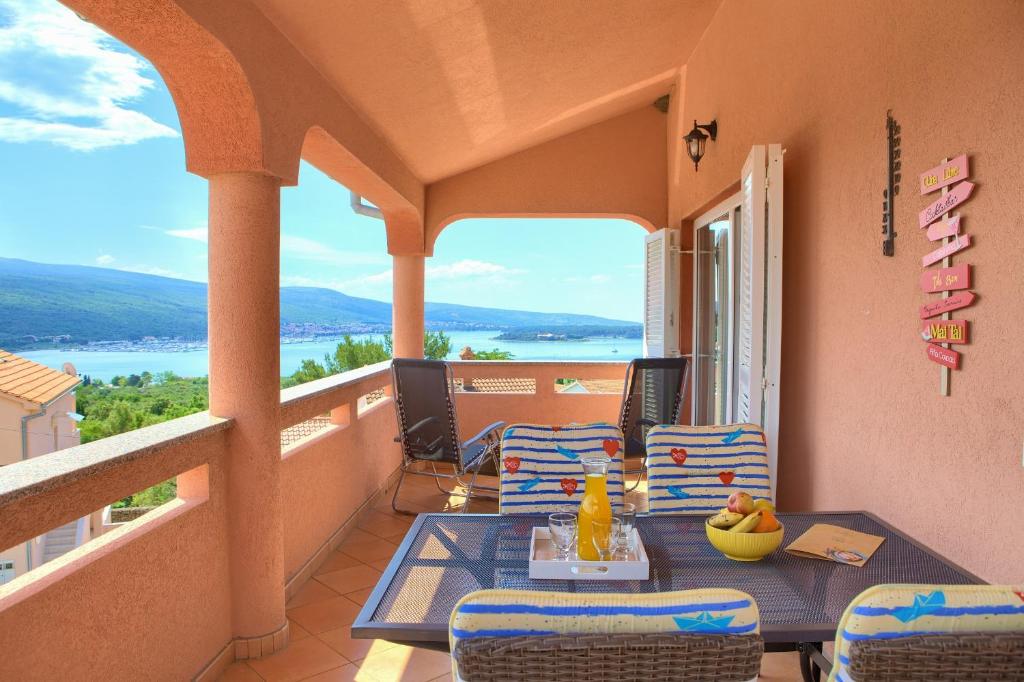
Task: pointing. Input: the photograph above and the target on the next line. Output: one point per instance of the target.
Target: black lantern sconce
(696, 140)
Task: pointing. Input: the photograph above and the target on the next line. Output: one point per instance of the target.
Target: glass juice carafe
(594, 507)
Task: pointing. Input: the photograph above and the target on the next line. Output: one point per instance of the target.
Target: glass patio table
(445, 556)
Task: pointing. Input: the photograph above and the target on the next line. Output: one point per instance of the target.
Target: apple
(741, 503)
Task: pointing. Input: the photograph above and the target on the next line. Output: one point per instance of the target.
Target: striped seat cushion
(541, 469)
(694, 469)
(894, 611)
(511, 613)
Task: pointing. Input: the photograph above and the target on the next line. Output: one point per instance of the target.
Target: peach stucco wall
(863, 424)
(611, 169)
(163, 582)
(328, 479)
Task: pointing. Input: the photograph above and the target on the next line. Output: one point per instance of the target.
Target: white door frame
(728, 209)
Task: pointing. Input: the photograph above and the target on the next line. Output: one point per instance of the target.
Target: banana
(725, 518)
(748, 523)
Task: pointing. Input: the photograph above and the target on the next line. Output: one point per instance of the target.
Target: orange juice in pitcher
(594, 507)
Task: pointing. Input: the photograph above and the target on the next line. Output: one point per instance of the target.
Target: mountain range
(101, 304)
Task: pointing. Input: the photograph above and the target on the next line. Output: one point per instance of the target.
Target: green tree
(492, 354)
(436, 345)
(351, 354)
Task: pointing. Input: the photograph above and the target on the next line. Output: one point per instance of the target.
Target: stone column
(407, 310)
(244, 337)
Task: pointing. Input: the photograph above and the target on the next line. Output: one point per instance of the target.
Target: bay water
(193, 363)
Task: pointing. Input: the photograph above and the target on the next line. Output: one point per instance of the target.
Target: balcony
(169, 572)
(436, 112)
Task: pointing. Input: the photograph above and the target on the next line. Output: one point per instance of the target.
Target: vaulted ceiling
(454, 84)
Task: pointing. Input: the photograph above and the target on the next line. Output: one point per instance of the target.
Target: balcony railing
(165, 576)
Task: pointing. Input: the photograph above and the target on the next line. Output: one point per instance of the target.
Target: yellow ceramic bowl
(744, 546)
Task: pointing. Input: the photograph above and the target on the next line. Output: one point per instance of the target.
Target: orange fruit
(768, 523)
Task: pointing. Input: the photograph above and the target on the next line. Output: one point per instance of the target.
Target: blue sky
(93, 173)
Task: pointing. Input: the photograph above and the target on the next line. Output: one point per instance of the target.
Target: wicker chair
(937, 633)
(541, 471)
(694, 469)
(512, 635)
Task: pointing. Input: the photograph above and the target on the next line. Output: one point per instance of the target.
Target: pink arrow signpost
(947, 228)
(945, 331)
(946, 357)
(945, 305)
(945, 203)
(961, 242)
(944, 174)
(946, 279)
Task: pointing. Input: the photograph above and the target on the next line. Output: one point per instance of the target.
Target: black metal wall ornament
(892, 134)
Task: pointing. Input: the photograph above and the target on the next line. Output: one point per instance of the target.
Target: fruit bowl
(744, 546)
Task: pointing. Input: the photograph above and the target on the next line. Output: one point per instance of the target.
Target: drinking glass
(628, 519)
(603, 532)
(563, 529)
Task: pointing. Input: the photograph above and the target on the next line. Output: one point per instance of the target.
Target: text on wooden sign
(945, 174)
(946, 279)
(946, 228)
(943, 356)
(961, 242)
(945, 331)
(943, 204)
(954, 302)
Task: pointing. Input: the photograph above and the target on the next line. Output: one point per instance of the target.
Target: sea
(194, 363)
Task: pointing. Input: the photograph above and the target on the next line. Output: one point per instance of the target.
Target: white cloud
(198, 234)
(311, 250)
(299, 248)
(104, 259)
(154, 270)
(86, 108)
(463, 269)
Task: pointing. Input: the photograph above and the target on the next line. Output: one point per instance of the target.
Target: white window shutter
(661, 294)
(759, 296)
(750, 289)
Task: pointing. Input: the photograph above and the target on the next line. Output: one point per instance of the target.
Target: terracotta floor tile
(296, 631)
(350, 579)
(397, 539)
(311, 593)
(384, 525)
(368, 550)
(360, 596)
(381, 564)
(335, 562)
(443, 678)
(297, 662)
(346, 673)
(358, 535)
(239, 671)
(780, 667)
(406, 664)
(340, 639)
(325, 615)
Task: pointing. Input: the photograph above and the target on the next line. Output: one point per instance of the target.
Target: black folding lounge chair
(428, 428)
(653, 395)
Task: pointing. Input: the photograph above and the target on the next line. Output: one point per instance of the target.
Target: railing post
(407, 310)
(244, 337)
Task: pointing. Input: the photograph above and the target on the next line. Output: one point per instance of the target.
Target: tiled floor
(322, 611)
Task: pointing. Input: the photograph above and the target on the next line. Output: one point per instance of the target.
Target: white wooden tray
(544, 564)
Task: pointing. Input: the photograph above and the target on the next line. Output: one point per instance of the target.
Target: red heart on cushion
(511, 464)
(569, 486)
(1020, 594)
(726, 476)
(556, 428)
(611, 447)
(678, 455)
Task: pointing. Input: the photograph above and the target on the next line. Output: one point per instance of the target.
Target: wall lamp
(696, 140)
